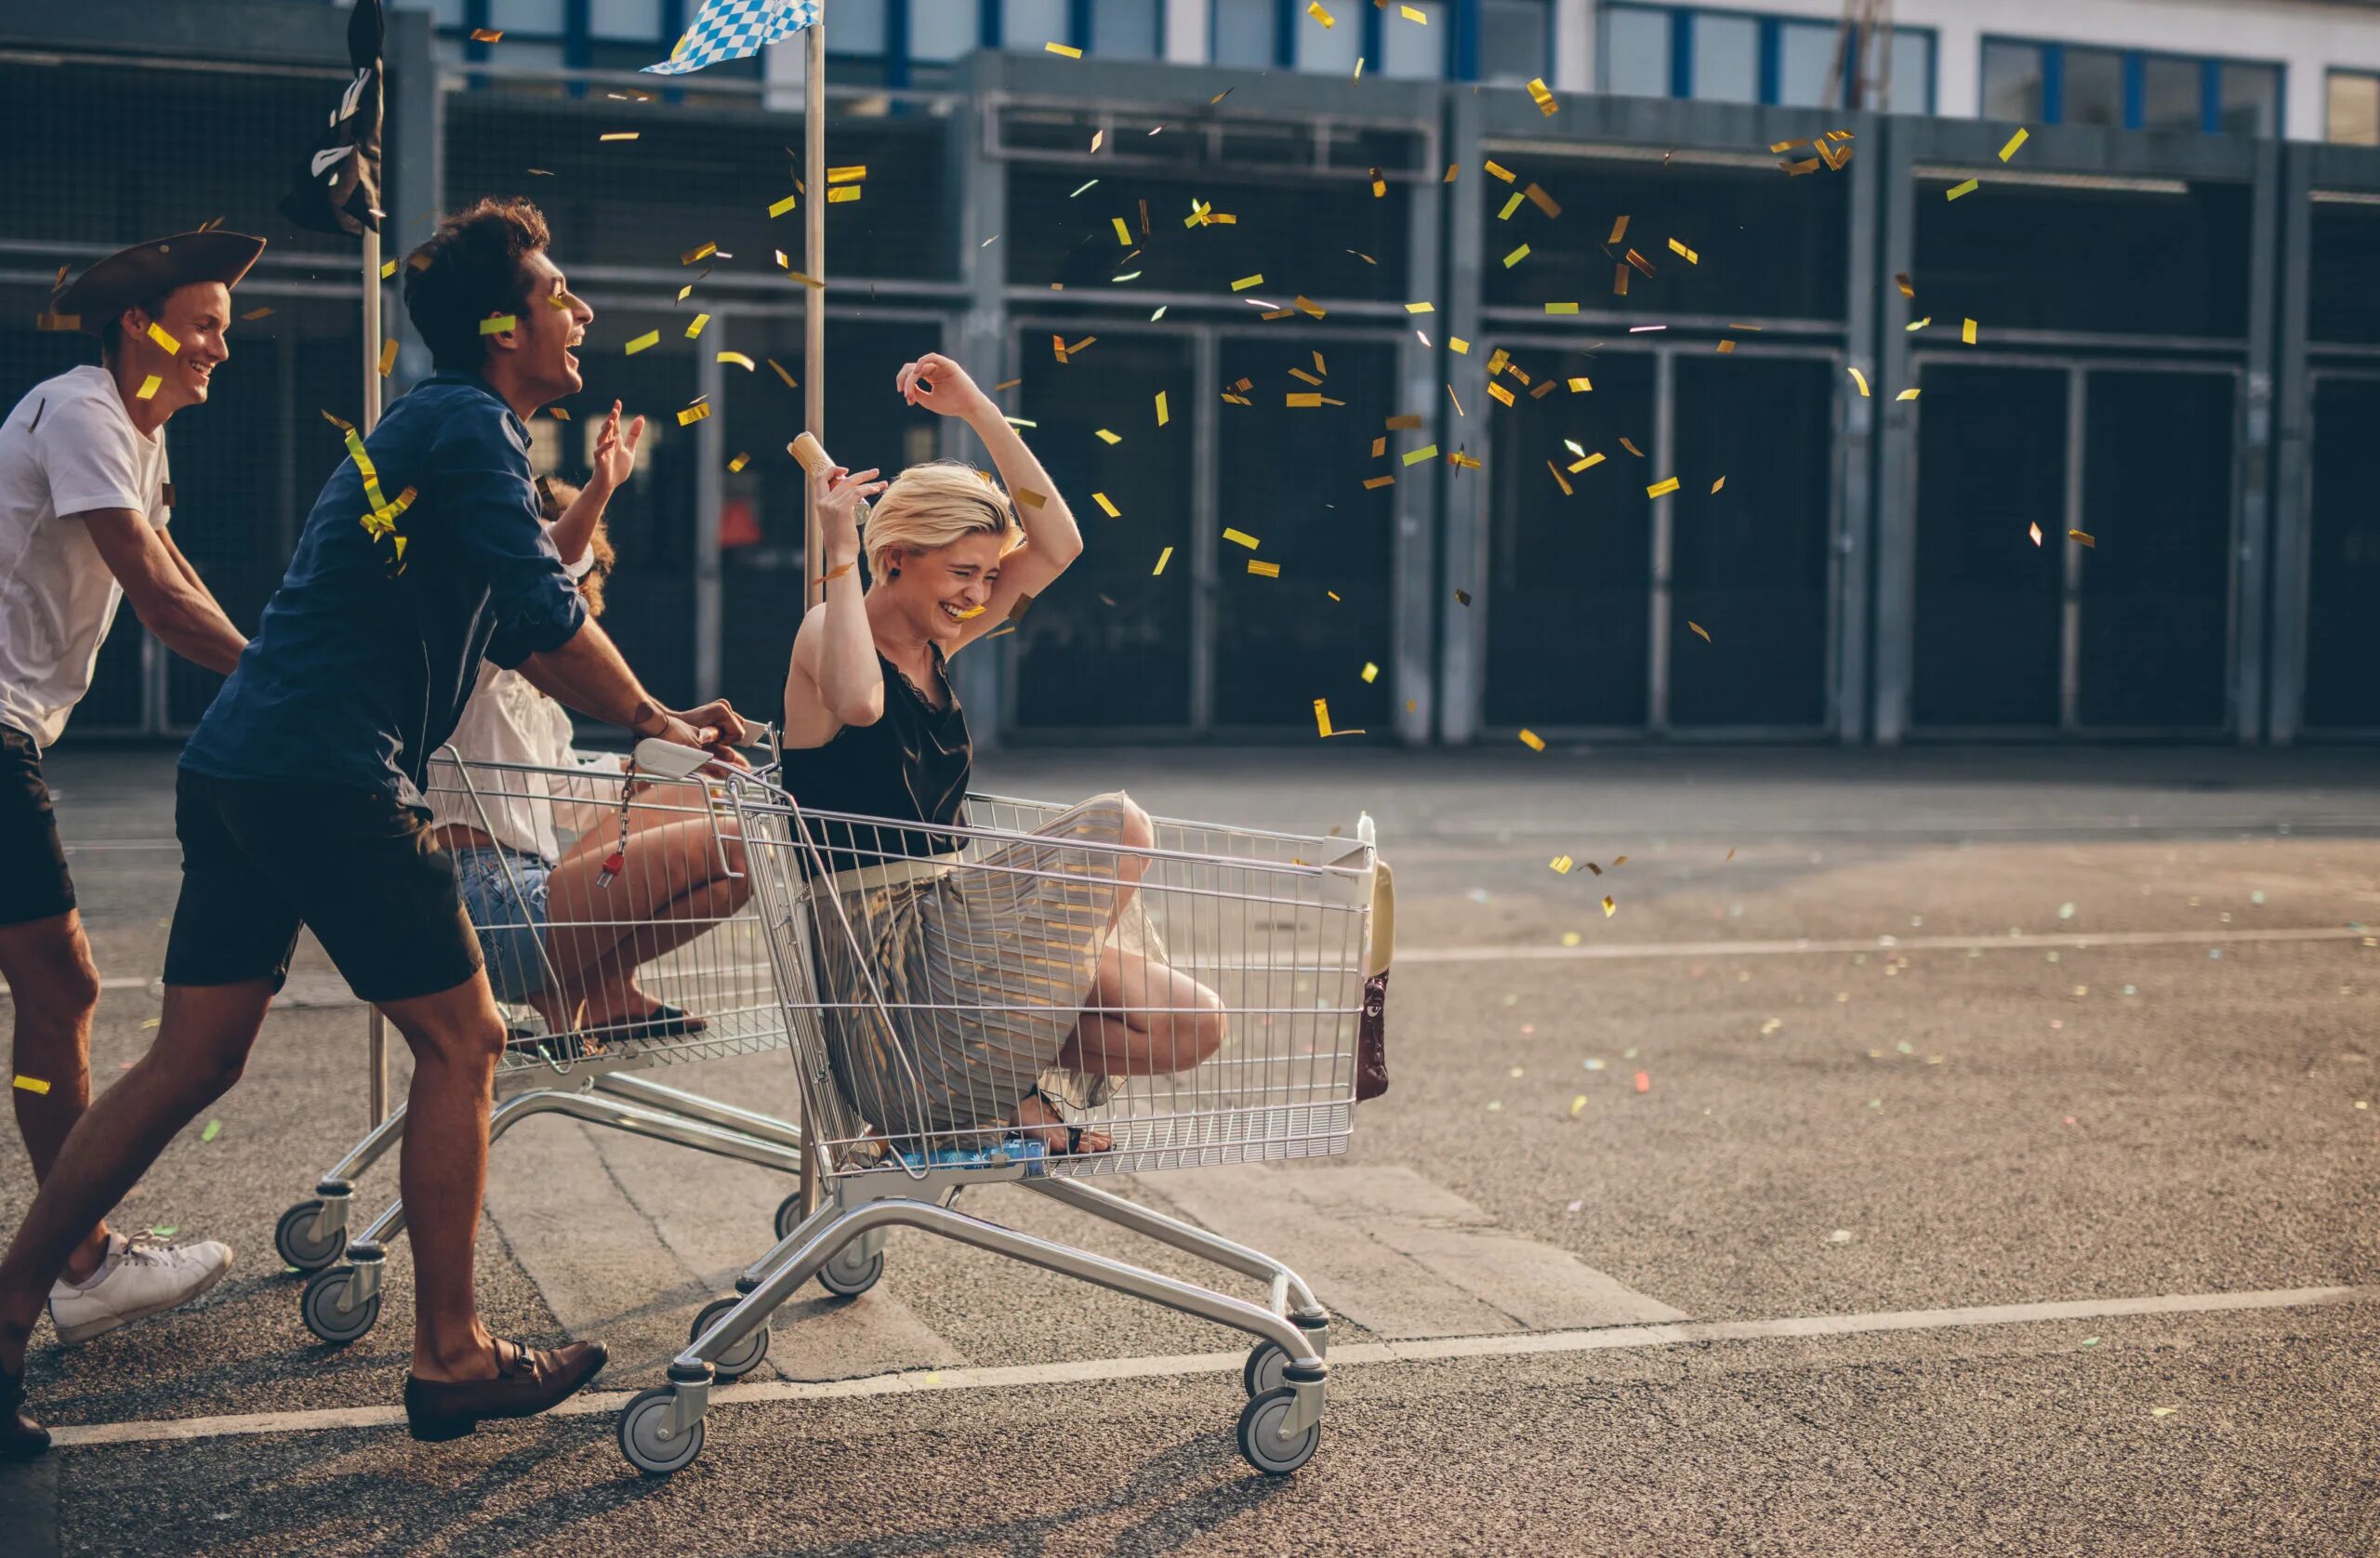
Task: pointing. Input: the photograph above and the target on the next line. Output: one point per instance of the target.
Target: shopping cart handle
(667, 759)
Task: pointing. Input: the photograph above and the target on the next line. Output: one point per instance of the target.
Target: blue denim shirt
(359, 671)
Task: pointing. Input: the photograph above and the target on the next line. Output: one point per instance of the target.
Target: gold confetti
(68, 323)
(1662, 489)
(1916, 324)
(698, 253)
(1510, 207)
(780, 207)
(1561, 308)
(1373, 484)
(1264, 570)
(781, 373)
(1315, 11)
(1243, 538)
(158, 334)
(485, 34)
(849, 173)
(684, 293)
(1632, 448)
(1700, 630)
(149, 388)
(739, 462)
(844, 194)
(1533, 740)
(1901, 279)
(1063, 50)
(1246, 282)
(1427, 452)
(1562, 864)
(1559, 480)
(1108, 509)
(695, 327)
(388, 356)
(1372, 672)
(1619, 230)
(1026, 496)
(1580, 386)
(692, 414)
(1163, 557)
(1719, 483)
(619, 135)
(1909, 394)
(1322, 716)
(1577, 1104)
(388, 268)
(1542, 201)
(1691, 257)
(1106, 437)
(2162, 1411)
(1162, 415)
(1610, 908)
(1862, 380)
(739, 360)
(1543, 99)
(1587, 462)
(2015, 141)
(2084, 536)
(651, 337)
(32, 1085)
(1516, 256)
(2036, 531)
(1955, 190)
(1967, 331)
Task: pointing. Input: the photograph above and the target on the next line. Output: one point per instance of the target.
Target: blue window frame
(1724, 55)
(2050, 83)
(1464, 40)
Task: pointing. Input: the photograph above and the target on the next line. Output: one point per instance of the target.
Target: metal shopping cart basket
(698, 951)
(906, 1044)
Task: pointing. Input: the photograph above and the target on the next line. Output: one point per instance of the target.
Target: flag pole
(376, 1044)
(813, 264)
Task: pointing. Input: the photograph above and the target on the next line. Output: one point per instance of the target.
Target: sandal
(1033, 1130)
(663, 1022)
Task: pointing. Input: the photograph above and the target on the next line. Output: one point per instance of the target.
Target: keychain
(617, 862)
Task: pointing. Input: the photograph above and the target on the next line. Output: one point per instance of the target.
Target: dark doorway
(2342, 583)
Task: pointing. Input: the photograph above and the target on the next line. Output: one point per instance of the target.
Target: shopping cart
(707, 959)
(910, 1093)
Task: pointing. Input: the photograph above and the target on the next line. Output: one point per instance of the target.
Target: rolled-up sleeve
(481, 482)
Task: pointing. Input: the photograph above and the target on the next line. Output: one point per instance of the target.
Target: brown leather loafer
(528, 1380)
(20, 1437)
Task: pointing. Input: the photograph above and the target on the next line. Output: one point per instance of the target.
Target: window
(1243, 32)
(861, 26)
(1027, 23)
(1330, 50)
(1515, 40)
(1413, 49)
(2133, 89)
(628, 20)
(541, 17)
(2354, 109)
(1127, 29)
(1740, 57)
(940, 31)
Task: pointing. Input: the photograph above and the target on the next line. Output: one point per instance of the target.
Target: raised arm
(1051, 538)
(615, 462)
(834, 680)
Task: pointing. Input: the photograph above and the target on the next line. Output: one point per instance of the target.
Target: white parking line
(1899, 943)
(1686, 1333)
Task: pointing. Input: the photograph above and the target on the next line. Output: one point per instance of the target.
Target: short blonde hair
(930, 506)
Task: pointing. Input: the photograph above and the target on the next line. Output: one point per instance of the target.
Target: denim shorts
(504, 891)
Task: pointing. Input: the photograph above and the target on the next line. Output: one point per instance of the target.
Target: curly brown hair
(468, 270)
(554, 498)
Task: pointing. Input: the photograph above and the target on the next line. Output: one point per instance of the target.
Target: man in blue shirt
(300, 803)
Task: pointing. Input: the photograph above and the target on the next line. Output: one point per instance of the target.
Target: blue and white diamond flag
(735, 29)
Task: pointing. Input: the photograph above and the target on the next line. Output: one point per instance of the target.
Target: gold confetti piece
(1098, 135)
(810, 282)
(781, 373)
(684, 293)
(971, 612)
(1577, 1104)
(695, 327)
(1640, 262)
(739, 462)
(339, 422)
(1463, 597)
(1967, 331)
(844, 194)
(1691, 257)
(388, 268)
(1427, 452)
(1860, 380)
(1719, 483)
(1106, 437)
(1662, 489)
(1510, 207)
(1063, 50)
(502, 323)
(1727, 346)
(485, 34)
(1916, 324)
(619, 135)
(1315, 11)
(1108, 509)
(1163, 557)
(71, 323)
(1307, 306)
(1500, 170)
(158, 334)
(1955, 190)
(1561, 308)
(739, 360)
(651, 337)
(1559, 480)
(1562, 864)
(1588, 462)
(1305, 402)
(2036, 531)
(2084, 536)
(1516, 256)
(1542, 98)
(2162, 1411)
(1632, 448)
(1407, 423)
(149, 388)
(1422, 307)
(1026, 496)
(849, 173)
(780, 207)
(1610, 908)
(1500, 394)
(1533, 740)
(1246, 282)
(388, 356)
(1162, 415)
(32, 1085)
(1699, 629)
(1372, 483)
(1787, 145)
(1414, 14)
(692, 414)
(1322, 716)
(1619, 230)
(1372, 672)
(1380, 186)
(1807, 165)
(698, 253)
(1909, 394)
(1264, 570)
(837, 574)
(1242, 537)
(1901, 280)
(2015, 141)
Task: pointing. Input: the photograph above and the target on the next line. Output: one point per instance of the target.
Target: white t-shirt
(68, 448)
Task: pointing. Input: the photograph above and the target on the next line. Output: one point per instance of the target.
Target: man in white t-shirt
(86, 495)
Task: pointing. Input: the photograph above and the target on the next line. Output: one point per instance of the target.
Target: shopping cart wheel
(324, 1315)
(788, 1214)
(293, 1236)
(1262, 1371)
(645, 1438)
(738, 1360)
(849, 1273)
(1260, 1434)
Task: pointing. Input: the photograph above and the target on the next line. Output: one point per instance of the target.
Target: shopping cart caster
(325, 1292)
(738, 1360)
(294, 1237)
(852, 1272)
(646, 1439)
(1261, 1374)
(788, 1214)
(1261, 1441)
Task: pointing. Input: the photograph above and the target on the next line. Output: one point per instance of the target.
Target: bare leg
(677, 883)
(54, 987)
(610, 986)
(455, 1036)
(1144, 1019)
(203, 1043)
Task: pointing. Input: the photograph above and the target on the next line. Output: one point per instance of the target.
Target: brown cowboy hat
(151, 269)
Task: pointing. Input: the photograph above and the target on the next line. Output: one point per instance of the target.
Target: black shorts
(33, 883)
(361, 869)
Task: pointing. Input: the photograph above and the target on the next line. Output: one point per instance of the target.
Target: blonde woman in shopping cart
(530, 842)
(1014, 1000)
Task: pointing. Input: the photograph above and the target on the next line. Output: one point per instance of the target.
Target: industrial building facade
(2134, 500)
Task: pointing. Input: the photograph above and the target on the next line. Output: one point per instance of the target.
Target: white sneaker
(141, 1277)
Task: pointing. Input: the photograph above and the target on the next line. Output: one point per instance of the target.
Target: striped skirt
(984, 967)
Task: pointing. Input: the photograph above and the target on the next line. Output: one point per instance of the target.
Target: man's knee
(52, 978)
(458, 1028)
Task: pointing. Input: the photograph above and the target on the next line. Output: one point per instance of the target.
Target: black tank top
(911, 766)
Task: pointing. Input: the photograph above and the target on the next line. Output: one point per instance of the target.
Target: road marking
(1356, 1355)
(1899, 943)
